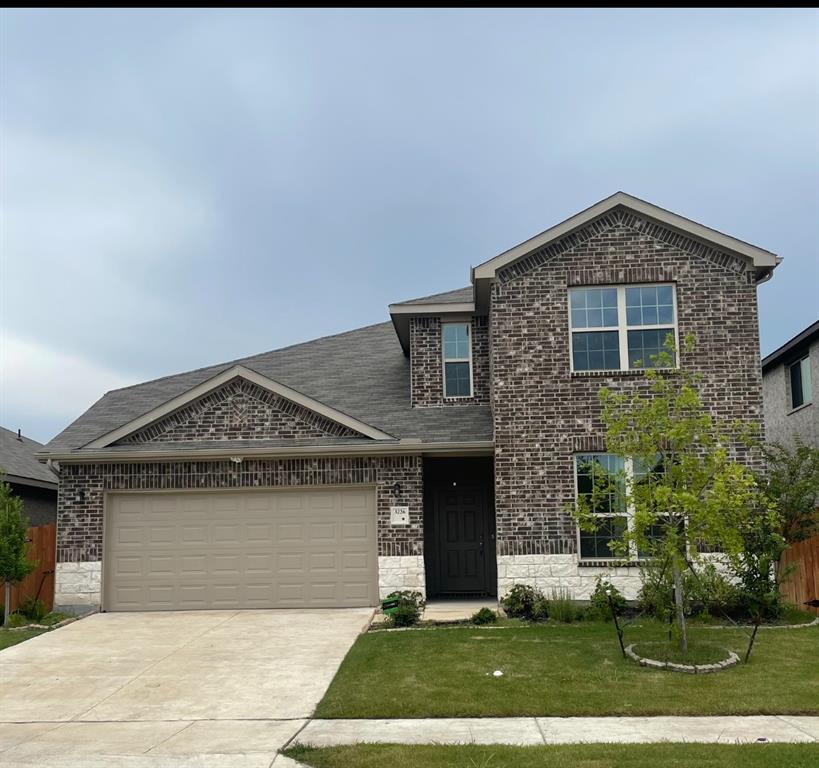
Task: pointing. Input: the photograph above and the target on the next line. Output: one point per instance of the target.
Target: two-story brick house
(438, 451)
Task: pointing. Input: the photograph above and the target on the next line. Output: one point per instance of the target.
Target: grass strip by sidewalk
(565, 670)
(561, 756)
(9, 637)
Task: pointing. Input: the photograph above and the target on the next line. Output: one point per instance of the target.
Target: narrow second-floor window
(457, 353)
(801, 393)
(620, 327)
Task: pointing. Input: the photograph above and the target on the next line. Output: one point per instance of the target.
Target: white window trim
(628, 471)
(809, 399)
(445, 360)
(622, 327)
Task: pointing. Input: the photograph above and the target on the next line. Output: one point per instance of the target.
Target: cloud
(42, 386)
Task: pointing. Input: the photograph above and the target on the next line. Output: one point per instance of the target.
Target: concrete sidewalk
(563, 730)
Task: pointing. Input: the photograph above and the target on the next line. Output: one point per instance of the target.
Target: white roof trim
(222, 378)
(432, 309)
(759, 256)
(383, 447)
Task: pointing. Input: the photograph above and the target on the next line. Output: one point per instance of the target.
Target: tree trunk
(7, 605)
(678, 600)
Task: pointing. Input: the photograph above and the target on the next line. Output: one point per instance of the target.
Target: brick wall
(82, 489)
(543, 413)
(426, 363)
(239, 410)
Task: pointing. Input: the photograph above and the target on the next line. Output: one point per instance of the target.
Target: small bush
(409, 609)
(525, 602)
(17, 620)
(561, 606)
(32, 608)
(484, 616)
(599, 608)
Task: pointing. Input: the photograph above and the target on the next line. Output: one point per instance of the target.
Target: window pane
(593, 307)
(644, 346)
(457, 380)
(456, 340)
(650, 305)
(596, 543)
(596, 351)
(605, 470)
(800, 383)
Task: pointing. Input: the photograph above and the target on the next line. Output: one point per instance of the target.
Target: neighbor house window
(457, 349)
(615, 515)
(800, 382)
(620, 327)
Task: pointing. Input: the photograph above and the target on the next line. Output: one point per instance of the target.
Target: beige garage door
(251, 549)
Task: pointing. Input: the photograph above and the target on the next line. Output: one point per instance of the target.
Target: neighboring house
(790, 387)
(33, 482)
(438, 451)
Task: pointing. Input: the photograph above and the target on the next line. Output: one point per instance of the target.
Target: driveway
(169, 689)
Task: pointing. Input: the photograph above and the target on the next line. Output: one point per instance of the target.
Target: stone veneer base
(401, 573)
(78, 584)
(547, 572)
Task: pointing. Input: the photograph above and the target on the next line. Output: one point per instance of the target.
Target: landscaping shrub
(599, 609)
(409, 609)
(484, 616)
(561, 605)
(32, 608)
(525, 602)
(16, 620)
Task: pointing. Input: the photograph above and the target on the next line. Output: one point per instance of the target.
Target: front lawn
(12, 637)
(566, 669)
(563, 756)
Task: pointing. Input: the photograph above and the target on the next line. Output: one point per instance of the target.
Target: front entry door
(463, 540)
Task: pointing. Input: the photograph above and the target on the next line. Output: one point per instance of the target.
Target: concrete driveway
(169, 689)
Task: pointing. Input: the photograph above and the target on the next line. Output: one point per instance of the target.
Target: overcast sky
(185, 188)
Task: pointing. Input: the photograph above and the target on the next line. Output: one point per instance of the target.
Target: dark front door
(463, 540)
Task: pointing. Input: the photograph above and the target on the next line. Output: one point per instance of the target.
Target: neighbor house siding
(544, 414)
(783, 424)
(426, 362)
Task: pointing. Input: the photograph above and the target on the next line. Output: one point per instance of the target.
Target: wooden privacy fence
(43, 551)
(802, 586)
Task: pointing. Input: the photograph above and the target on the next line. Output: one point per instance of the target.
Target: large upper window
(457, 349)
(621, 327)
(801, 393)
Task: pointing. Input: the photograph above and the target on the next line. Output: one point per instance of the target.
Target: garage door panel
(240, 550)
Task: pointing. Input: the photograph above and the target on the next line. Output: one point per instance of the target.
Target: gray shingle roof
(448, 297)
(362, 373)
(17, 458)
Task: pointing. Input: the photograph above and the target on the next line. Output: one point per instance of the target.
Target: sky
(182, 188)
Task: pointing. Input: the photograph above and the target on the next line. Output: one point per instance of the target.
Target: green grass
(562, 756)
(9, 637)
(703, 652)
(566, 669)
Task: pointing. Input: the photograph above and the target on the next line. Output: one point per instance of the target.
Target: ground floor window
(614, 473)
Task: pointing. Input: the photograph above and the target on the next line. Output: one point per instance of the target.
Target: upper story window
(457, 352)
(801, 393)
(620, 327)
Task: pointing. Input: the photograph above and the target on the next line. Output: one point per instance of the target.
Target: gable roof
(19, 463)
(362, 374)
(223, 377)
(763, 260)
(792, 347)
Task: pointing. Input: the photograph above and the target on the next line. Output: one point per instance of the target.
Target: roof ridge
(240, 360)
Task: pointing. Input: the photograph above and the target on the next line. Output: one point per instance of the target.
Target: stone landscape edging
(691, 669)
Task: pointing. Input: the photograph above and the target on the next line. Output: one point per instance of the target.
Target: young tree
(14, 562)
(791, 479)
(684, 483)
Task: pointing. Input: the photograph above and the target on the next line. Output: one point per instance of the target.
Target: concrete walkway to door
(223, 688)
